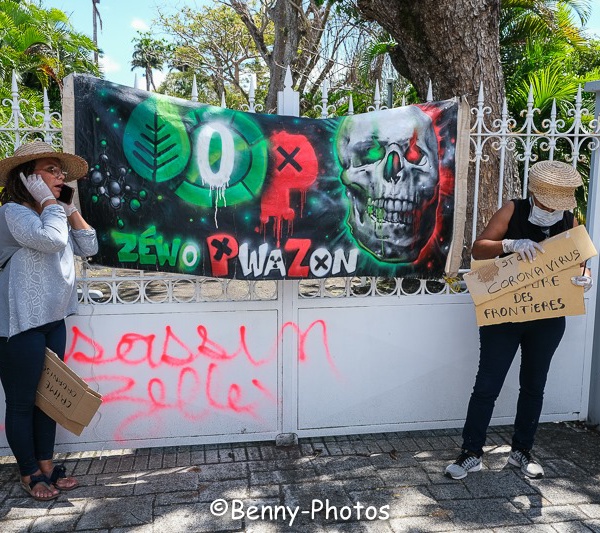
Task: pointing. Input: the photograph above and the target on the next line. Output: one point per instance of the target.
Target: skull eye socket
(414, 155)
(367, 153)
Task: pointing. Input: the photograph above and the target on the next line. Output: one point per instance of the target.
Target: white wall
(338, 366)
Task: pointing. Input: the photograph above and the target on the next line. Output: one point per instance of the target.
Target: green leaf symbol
(156, 143)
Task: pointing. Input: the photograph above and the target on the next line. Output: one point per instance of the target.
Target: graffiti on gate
(189, 380)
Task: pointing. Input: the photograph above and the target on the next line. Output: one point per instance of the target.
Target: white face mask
(545, 219)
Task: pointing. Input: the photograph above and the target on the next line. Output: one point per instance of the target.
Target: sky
(121, 19)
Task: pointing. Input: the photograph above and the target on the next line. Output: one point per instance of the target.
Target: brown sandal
(60, 472)
(42, 480)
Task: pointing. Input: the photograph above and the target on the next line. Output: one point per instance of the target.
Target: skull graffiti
(390, 170)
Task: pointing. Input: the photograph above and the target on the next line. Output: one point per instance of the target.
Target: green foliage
(35, 103)
(584, 62)
(550, 20)
(548, 84)
(544, 48)
(150, 54)
(179, 84)
(42, 47)
(214, 43)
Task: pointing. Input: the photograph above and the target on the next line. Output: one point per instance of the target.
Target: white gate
(189, 360)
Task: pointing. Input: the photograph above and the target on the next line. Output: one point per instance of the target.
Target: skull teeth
(392, 210)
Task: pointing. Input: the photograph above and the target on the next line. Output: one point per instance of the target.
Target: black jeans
(29, 431)
(499, 343)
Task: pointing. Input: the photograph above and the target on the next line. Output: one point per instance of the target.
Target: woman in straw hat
(38, 238)
(519, 226)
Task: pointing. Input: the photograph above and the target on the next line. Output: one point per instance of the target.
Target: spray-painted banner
(178, 186)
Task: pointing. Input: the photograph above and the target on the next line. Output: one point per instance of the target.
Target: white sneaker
(466, 462)
(529, 466)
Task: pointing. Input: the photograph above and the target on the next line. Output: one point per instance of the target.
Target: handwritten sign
(509, 274)
(549, 297)
(64, 396)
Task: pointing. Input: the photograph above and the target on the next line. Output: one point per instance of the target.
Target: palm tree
(521, 20)
(149, 54)
(41, 45)
(536, 37)
(19, 39)
(543, 50)
(96, 19)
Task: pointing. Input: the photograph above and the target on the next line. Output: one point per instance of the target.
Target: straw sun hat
(553, 183)
(75, 166)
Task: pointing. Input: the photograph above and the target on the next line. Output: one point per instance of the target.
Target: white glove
(583, 281)
(526, 248)
(69, 208)
(37, 188)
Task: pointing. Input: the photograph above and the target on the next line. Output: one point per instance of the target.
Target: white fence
(182, 359)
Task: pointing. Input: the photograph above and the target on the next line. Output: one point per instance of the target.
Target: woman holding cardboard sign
(40, 231)
(518, 227)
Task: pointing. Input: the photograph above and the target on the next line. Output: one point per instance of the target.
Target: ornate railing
(578, 132)
(575, 136)
(18, 127)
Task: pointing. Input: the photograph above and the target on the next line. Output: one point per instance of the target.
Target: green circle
(185, 249)
(250, 164)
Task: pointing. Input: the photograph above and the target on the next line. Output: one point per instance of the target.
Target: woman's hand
(526, 248)
(69, 208)
(37, 188)
(583, 281)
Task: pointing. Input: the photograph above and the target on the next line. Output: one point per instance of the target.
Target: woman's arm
(77, 221)
(85, 243)
(489, 243)
(83, 235)
(47, 232)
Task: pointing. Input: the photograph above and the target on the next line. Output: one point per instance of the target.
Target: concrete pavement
(387, 482)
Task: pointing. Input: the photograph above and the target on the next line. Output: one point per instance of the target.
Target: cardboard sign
(549, 297)
(508, 274)
(64, 396)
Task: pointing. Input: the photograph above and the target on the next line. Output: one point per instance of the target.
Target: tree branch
(241, 8)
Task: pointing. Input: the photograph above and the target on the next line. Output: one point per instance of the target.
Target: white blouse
(37, 285)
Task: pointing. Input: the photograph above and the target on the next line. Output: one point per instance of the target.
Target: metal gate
(189, 360)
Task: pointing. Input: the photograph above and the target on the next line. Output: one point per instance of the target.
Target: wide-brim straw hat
(553, 183)
(75, 166)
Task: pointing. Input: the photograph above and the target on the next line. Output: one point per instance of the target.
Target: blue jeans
(499, 343)
(30, 432)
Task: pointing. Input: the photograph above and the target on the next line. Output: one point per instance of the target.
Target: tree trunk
(286, 18)
(453, 43)
(95, 14)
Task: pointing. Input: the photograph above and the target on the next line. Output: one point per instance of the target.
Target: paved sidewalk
(358, 477)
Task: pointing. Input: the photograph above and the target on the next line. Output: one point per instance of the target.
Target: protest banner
(508, 274)
(179, 186)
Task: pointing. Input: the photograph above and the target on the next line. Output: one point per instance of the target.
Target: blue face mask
(542, 218)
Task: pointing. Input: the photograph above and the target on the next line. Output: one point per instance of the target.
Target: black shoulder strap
(5, 263)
